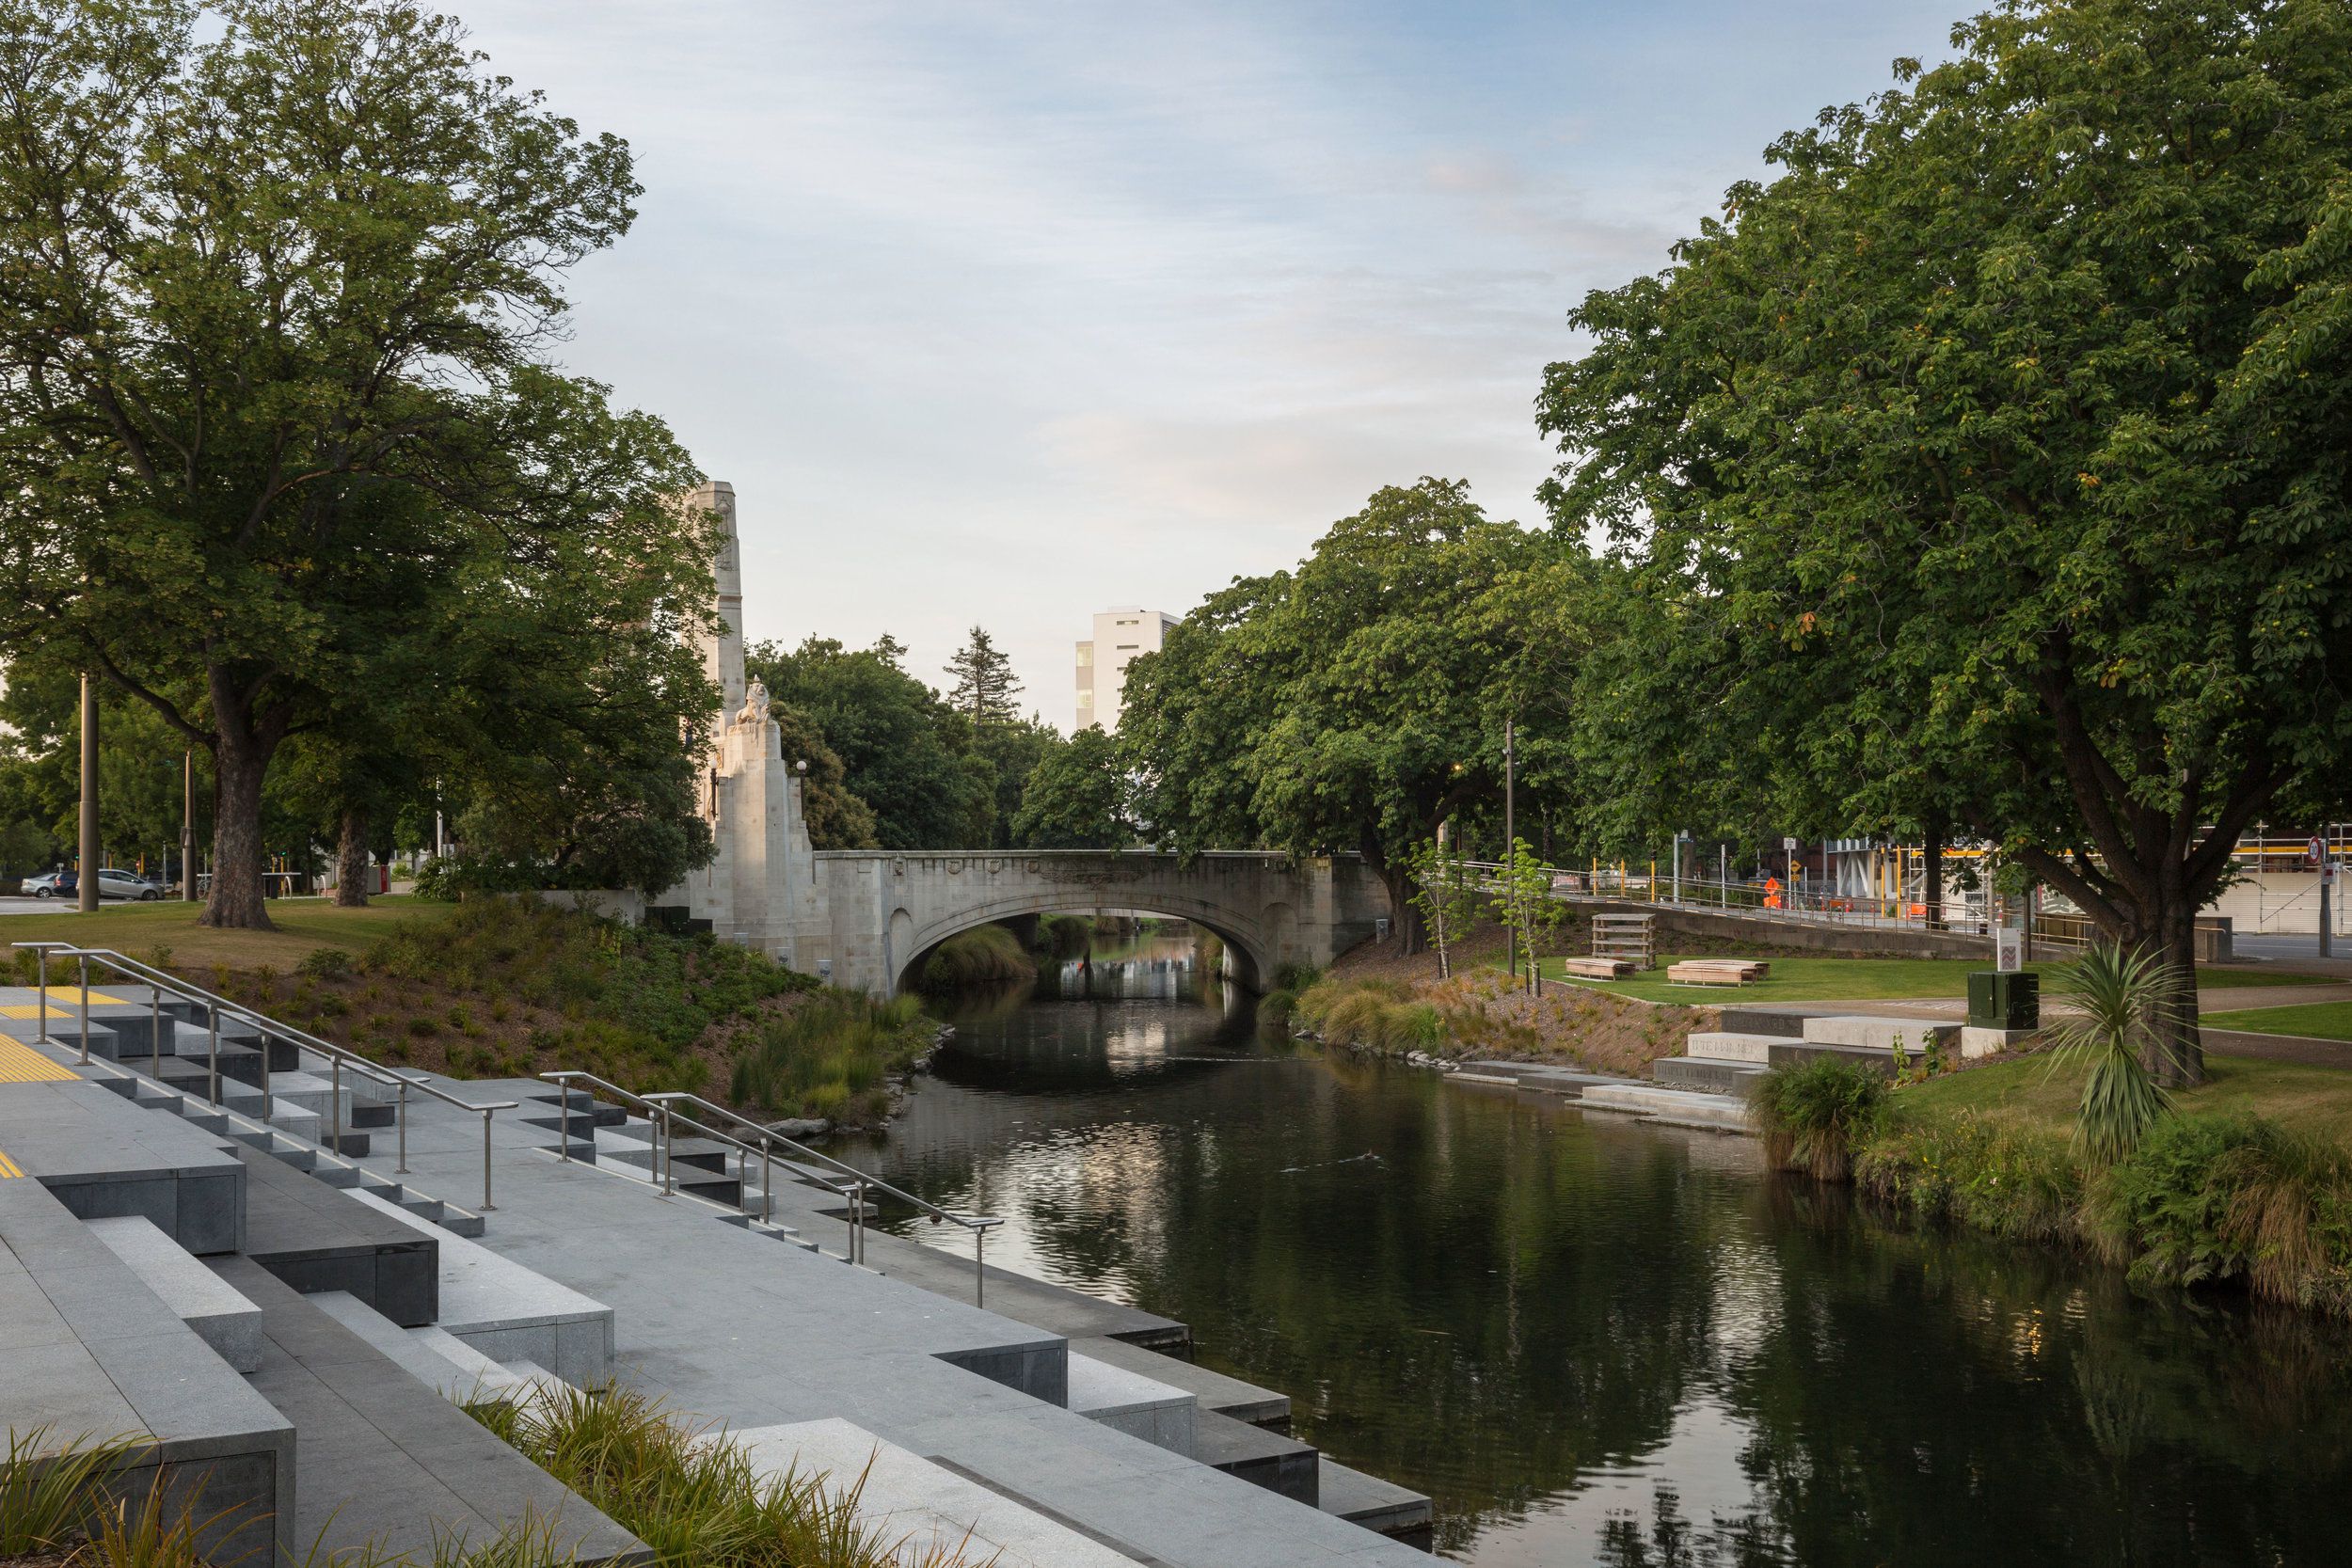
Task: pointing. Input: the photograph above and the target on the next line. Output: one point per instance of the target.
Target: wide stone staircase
(215, 1235)
(1754, 1040)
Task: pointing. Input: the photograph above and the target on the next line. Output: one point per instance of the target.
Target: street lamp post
(1510, 835)
(87, 878)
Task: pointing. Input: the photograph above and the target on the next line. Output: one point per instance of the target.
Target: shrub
(325, 963)
(424, 1027)
(693, 1495)
(1815, 1114)
(986, 955)
(2209, 1198)
(2121, 1006)
(1971, 1171)
(48, 1499)
(830, 1051)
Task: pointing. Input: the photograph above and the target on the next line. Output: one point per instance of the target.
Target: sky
(1002, 314)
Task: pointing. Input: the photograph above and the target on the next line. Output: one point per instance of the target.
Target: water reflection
(1593, 1341)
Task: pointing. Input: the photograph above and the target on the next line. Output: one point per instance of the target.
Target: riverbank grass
(2319, 1020)
(304, 926)
(1838, 979)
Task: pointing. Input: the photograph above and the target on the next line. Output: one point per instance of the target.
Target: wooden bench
(1597, 969)
(1718, 972)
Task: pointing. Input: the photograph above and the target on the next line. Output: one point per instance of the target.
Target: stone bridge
(886, 908)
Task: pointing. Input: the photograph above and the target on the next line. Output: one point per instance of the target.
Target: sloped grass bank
(510, 988)
(1482, 1013)
(2247, 1185)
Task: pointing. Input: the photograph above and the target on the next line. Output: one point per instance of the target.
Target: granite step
(435, 1357)
(220, 1317)
(1672, 1106)
(316, 1238)
(386, 1465)
(1161, 1414)
(1708, 1075)
(1870, 1031)
(1211, 1391)
(1725, 1045)
(929, 1505)
(1368, 1501)
(509, 1313)
(1278, 1462)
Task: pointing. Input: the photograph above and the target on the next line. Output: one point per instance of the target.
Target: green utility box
(2004, 999)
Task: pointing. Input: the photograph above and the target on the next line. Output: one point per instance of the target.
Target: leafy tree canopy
(1356, 703)
(277, 278)
(1990, 459)
(1077, 797)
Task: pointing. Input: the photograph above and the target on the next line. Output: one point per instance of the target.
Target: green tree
(985, 685)
(1446, 897)
(1077, 798)
(1355, 703)
(276, 277)
(1013, 751)
(1990, 459)
(902, 749)
(836, 818)
(1523, 904)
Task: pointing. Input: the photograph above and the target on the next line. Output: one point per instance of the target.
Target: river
(1593, 1341)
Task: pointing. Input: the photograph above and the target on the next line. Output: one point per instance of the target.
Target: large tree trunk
(242, 748)
(1397, 877)
(351, 860)
(2175, 1056)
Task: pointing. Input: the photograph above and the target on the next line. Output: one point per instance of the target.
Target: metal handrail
(835, 1176)
(338, 1057)
(664, 1118)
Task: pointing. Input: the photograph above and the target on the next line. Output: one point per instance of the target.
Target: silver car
(127, 884)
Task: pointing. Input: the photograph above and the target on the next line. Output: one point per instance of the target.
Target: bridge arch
(883, 909)
(1252, 959)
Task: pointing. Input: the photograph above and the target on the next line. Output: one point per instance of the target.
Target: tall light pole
(188, 824)
(86, 880)
(1510, 832)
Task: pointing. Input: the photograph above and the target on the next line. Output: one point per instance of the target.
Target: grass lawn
(304, 925)
(2324, 1020)
(1835, 979)
(2037, 1093)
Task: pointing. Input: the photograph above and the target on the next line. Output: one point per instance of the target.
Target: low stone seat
(315, 1237)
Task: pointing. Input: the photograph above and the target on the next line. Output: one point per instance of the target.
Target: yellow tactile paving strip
(61, 1001)
(9, 1169)
(22, 1064)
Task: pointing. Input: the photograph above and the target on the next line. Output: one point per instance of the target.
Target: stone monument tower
(760, 890)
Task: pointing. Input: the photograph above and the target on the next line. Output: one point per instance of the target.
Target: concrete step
(1211, 1391)
(1873, 1033)
(385, 1465)
(1672, 1106)
(1724, 1045)
(315, 1238)
(1280, 1464)
(1761, 1021)
(509, 1313)
(1797, 1052)
(1159, 1413)
(437, 1357)
(220, 1317)
(1368, 1501)
(1708, 1075)
(926, 1505)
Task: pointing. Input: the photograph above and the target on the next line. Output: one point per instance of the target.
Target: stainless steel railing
(340, 1059)
(808, 1165)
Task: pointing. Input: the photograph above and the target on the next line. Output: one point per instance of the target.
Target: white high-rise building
(1119, 635)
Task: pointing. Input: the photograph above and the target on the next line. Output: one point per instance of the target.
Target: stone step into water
(1368, 1501)
(1211, 1391)
(1280, 1464)
(220, 1317)
(1129, 1401)
(1724, 1045)
(1672, 1106)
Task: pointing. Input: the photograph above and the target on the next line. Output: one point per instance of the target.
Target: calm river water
(1596, 1342)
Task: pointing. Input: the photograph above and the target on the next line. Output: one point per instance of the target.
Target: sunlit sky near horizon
(1011, 314)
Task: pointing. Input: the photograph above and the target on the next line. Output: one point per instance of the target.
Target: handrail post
(402, 1167)
(334, 1102)
(85, 961)
(211, 1052)
(669, 1151)
(767, 1182)
(486, 1204)
(155, 1033)
(979, 1267)
(42, 954)
(564, 1098)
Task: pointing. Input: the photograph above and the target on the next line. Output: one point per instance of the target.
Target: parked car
(127, 884)
(111, 884)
